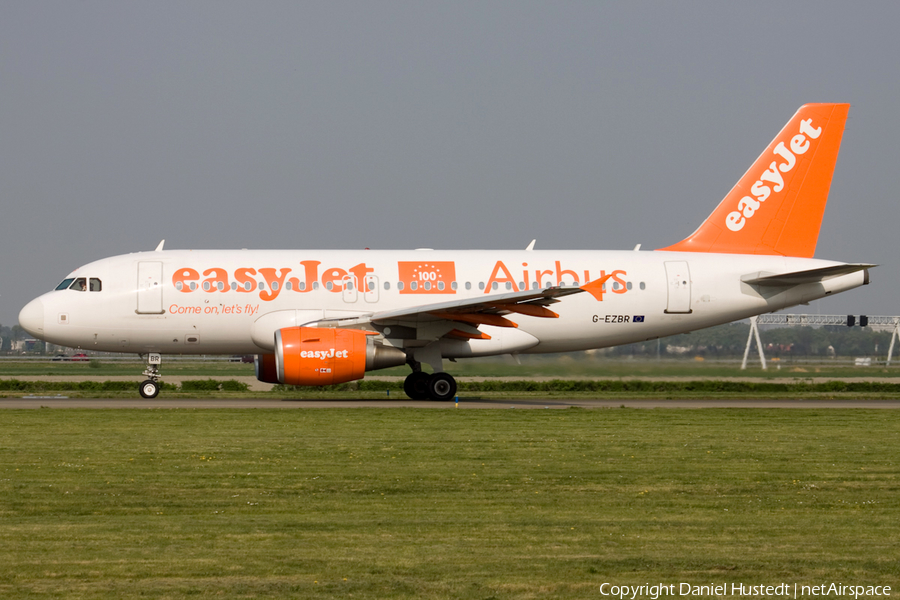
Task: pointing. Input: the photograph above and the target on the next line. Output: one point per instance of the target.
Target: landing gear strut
(424, 386)
(438, 386)
(150, 387)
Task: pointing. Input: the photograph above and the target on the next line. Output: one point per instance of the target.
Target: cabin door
(678, 276)
(149, 288)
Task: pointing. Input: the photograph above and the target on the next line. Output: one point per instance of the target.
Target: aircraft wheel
(149, 389)
(441, 387)
(416, 385)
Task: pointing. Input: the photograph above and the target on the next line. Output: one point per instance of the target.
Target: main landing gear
(150, 387)
(425, 386)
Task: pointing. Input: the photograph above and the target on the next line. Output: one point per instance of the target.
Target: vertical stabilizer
(777, 206)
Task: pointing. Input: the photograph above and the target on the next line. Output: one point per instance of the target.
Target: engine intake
(325, 356)
(266, 369)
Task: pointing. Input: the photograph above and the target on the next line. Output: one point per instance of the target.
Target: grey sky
(440, 124)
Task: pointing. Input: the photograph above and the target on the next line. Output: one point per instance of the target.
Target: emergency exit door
(149, 288)
(678, 276)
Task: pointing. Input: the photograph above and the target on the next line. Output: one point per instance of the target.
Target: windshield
(65, 284)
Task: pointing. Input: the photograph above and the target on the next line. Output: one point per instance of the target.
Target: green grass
(101, 368)
(485, 388)
(406, 503)
(579, 365)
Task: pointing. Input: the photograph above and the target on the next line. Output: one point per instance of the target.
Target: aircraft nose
(31, 318)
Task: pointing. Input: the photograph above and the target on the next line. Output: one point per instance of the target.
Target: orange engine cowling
(325, 356)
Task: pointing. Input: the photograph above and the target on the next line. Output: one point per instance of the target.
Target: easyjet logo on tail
(771, 180)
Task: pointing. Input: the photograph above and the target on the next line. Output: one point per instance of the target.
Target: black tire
(416, 385)
(149, 389)
(441, 387)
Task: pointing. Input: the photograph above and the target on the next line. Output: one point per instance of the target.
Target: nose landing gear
(150, 387)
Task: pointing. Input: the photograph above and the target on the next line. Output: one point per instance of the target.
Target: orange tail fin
(777, 206)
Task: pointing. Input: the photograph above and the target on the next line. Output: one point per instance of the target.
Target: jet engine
(324, 356)
(266, 369)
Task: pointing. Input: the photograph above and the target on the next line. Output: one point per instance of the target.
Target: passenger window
(643, 286)
(233, 286)
(387, 285)
(628, 285)
(441, 285)
(65, 284)
(495, 285)
(480, 285)
(80, 285)
(468, 285)
(400, 285)
(413, 285)
(302, 286)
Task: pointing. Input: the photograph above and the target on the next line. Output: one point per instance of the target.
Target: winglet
(595, 287)
(530, 246)
(776, 208)
(160, 247)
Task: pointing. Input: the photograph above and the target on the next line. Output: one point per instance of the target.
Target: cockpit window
(96, 285)
(80, 285)
(65, 284)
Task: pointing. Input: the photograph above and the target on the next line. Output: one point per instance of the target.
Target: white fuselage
(232, 302)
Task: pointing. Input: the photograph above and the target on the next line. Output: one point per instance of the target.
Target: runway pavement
(36, 402)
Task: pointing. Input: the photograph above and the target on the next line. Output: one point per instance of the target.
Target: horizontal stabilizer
(808, 276)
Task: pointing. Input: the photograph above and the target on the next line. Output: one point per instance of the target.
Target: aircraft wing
(808, 276)
(469, 313)
(527, 302)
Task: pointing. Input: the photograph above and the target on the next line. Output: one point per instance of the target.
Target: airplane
(321, 317)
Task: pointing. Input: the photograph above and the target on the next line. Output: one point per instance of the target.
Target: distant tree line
(11, 336)
(6, 338)
(729, 340)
